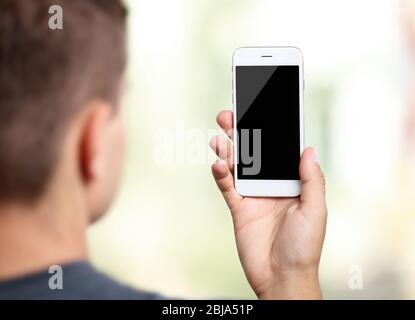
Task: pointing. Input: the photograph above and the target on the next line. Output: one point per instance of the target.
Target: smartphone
(268, 87)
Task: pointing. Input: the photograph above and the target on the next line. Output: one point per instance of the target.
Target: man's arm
(279, 240)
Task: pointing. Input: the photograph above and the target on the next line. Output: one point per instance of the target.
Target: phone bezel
(268, 56)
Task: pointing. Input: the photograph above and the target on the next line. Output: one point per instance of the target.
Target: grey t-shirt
(80, 280)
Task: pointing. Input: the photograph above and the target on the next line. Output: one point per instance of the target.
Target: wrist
(293, 285)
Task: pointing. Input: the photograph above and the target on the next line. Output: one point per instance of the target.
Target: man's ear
(92, 139)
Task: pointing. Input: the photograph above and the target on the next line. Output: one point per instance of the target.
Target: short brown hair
(46, 76)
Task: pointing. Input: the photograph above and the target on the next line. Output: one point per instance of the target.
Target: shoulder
(79, 280)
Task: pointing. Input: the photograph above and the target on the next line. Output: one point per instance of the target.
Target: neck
(32, 238)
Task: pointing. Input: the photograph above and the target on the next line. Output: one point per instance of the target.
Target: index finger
(225, 121)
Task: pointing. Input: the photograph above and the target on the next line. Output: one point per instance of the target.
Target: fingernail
(315, 156)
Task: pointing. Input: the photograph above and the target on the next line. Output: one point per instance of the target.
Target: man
(61, 147)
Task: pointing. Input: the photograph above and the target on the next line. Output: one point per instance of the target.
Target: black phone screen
(268, 122)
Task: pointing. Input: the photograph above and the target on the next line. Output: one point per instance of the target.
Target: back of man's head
(46, 77)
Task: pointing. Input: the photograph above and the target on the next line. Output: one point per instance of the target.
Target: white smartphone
(268, 87)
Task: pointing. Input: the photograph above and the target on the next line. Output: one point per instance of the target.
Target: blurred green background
(170, 230)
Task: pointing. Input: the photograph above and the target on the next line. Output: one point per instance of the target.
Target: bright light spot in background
(368, 122)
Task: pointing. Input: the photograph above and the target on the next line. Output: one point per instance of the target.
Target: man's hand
(279, 240)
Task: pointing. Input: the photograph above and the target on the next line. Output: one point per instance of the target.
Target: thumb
(313, 190)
